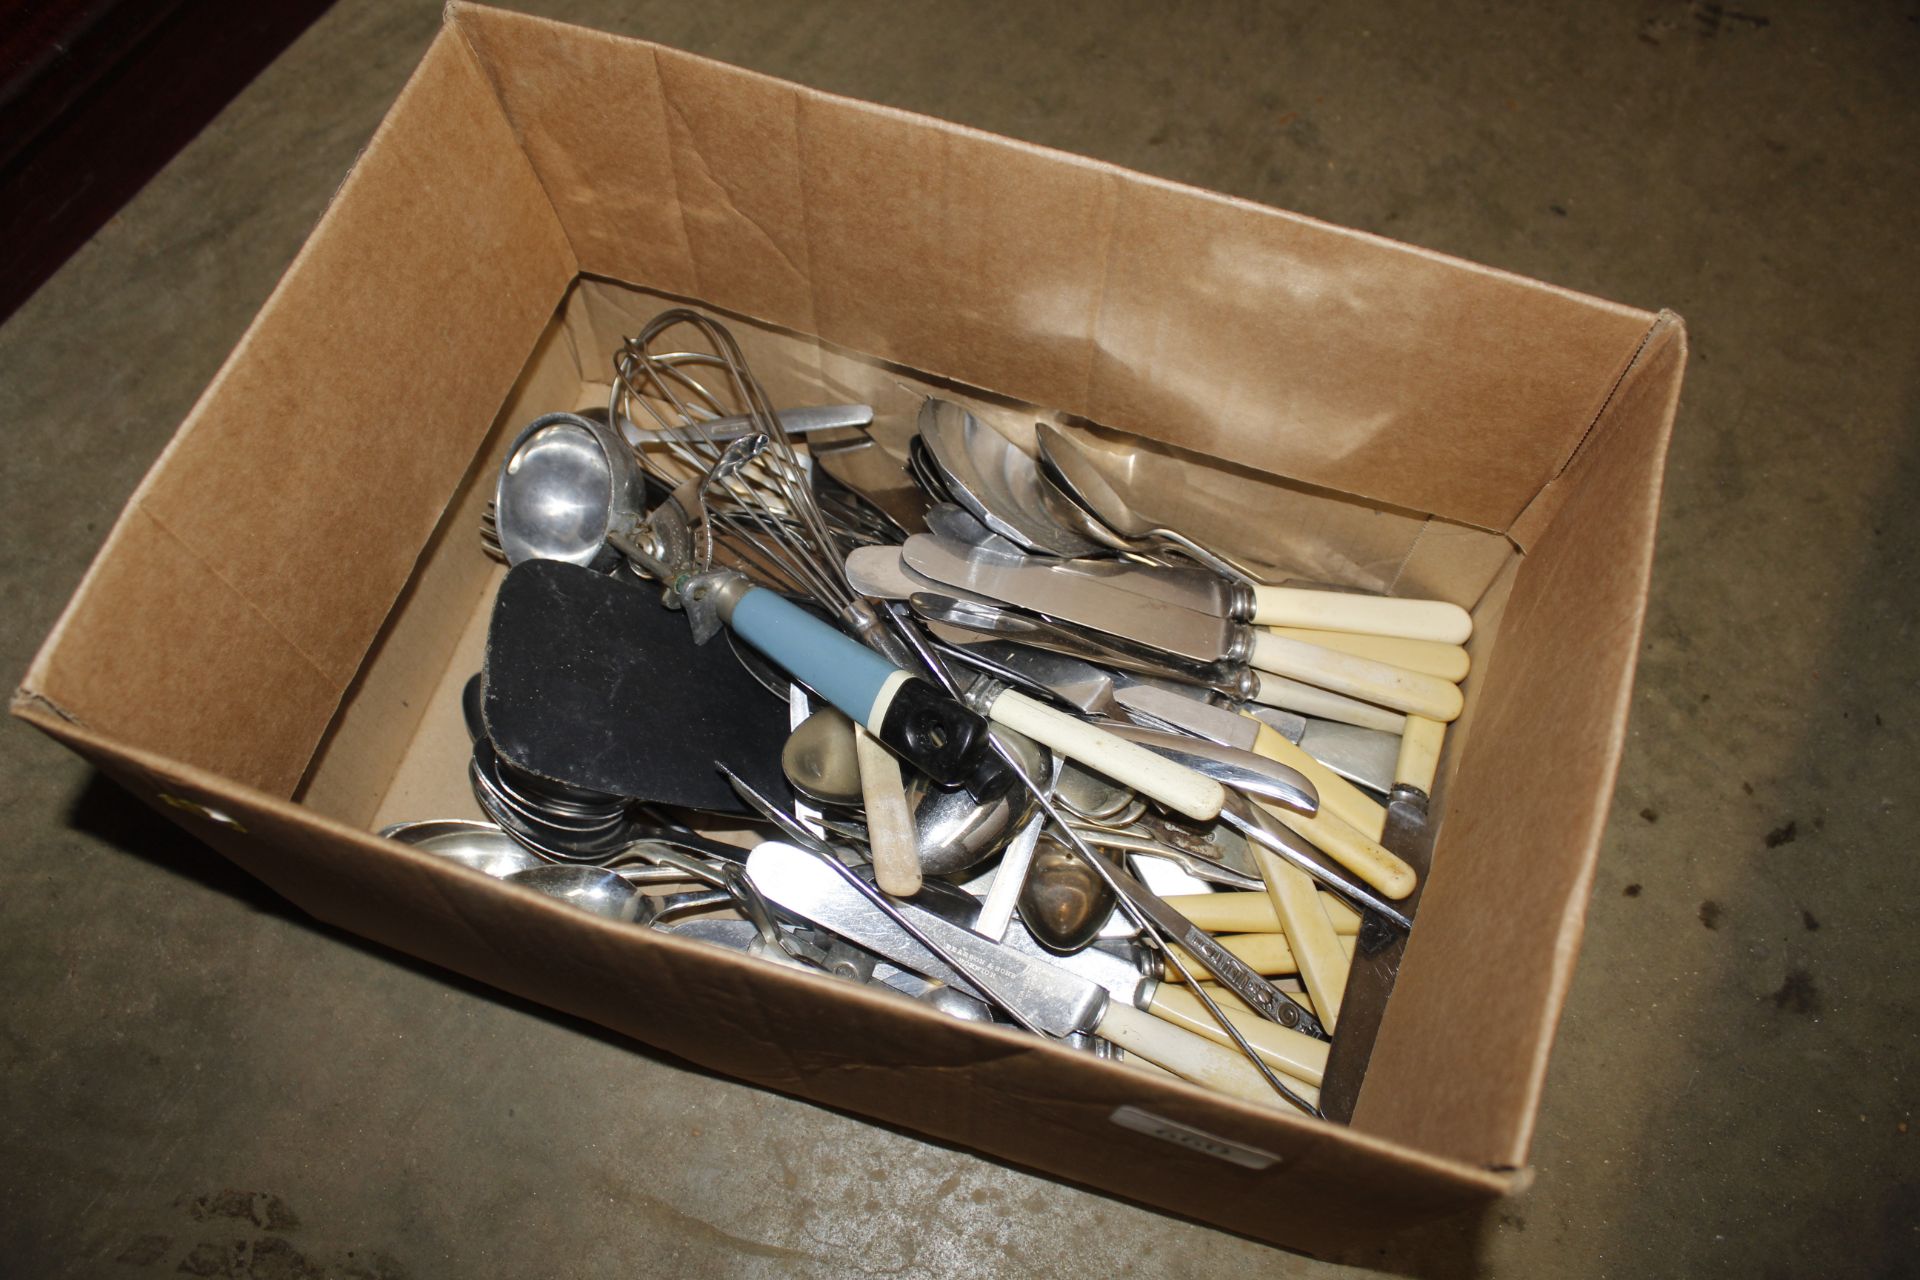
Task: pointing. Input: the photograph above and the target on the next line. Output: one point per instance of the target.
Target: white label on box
(1193, 1139)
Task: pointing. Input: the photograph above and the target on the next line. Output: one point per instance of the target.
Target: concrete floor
(198, 1081)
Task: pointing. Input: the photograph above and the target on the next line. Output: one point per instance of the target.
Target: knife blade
(1200, 590)
(1086, 684)
(964, 622)
(1257, 775)
(1049, 997)
(1204, 720)
(882, 572)
(1231, 729)
(1379, 950)
(1060, 592)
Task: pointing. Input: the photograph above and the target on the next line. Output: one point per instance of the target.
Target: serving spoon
(1076, 493)
(996, 482)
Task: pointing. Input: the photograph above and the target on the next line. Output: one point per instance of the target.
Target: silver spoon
(592, 889)
(1064, 902)
(950, 520)
(995, 481)
(612, 896)
(480, 845)
(1068, 472)
(819, 759)
(954, 831)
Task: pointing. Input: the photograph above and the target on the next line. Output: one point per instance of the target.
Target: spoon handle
(1436, 620)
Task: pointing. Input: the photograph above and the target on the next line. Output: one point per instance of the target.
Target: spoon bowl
(1066, 467)
(480, 845)
(591, 889)
(568, 483)
(988, 476)
(1064, 902)
(820, 761)
(955, 830)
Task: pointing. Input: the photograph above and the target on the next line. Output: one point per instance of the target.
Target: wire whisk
(765, 514)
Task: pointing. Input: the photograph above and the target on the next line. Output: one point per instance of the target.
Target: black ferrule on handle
(933, 732)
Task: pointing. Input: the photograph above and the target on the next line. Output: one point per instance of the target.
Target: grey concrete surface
(195, 1080)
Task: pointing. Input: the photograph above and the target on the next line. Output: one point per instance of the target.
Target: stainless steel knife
(1059, 589)
(1041, 993)
(1376, 958)
(1062, 592)
(1362, 756)
(1088, 685)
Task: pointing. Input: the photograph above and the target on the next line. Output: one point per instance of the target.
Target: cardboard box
(269, 644)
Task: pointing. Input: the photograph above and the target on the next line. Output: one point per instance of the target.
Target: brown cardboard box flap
(1463, 1049)
(1331, 356)
(1040, 1104)
(289, 504)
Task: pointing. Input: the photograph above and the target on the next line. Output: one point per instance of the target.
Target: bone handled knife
(1060, 591)
(921, 725)
(1367, 679)
(1377, 955)
(1336, 829)
(1436, 622)
(1054, 589)
(1311, 700)
(1051, 998)
(1172, 784)
(1448, 661)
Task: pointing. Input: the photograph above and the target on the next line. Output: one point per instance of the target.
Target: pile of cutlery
(1048, 762)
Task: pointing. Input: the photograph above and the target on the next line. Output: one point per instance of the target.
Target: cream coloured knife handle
(1435, 620)
(1447, 661)
(1323, 962)
(1419, 754)
(1185, 1054)
(1311, 700)
(1411, 692)
(1366, 858)
(1300, 1056)
(1337, 796)
(1174, 785)
(1268, 954)
(890, 831)
(1247, 911)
